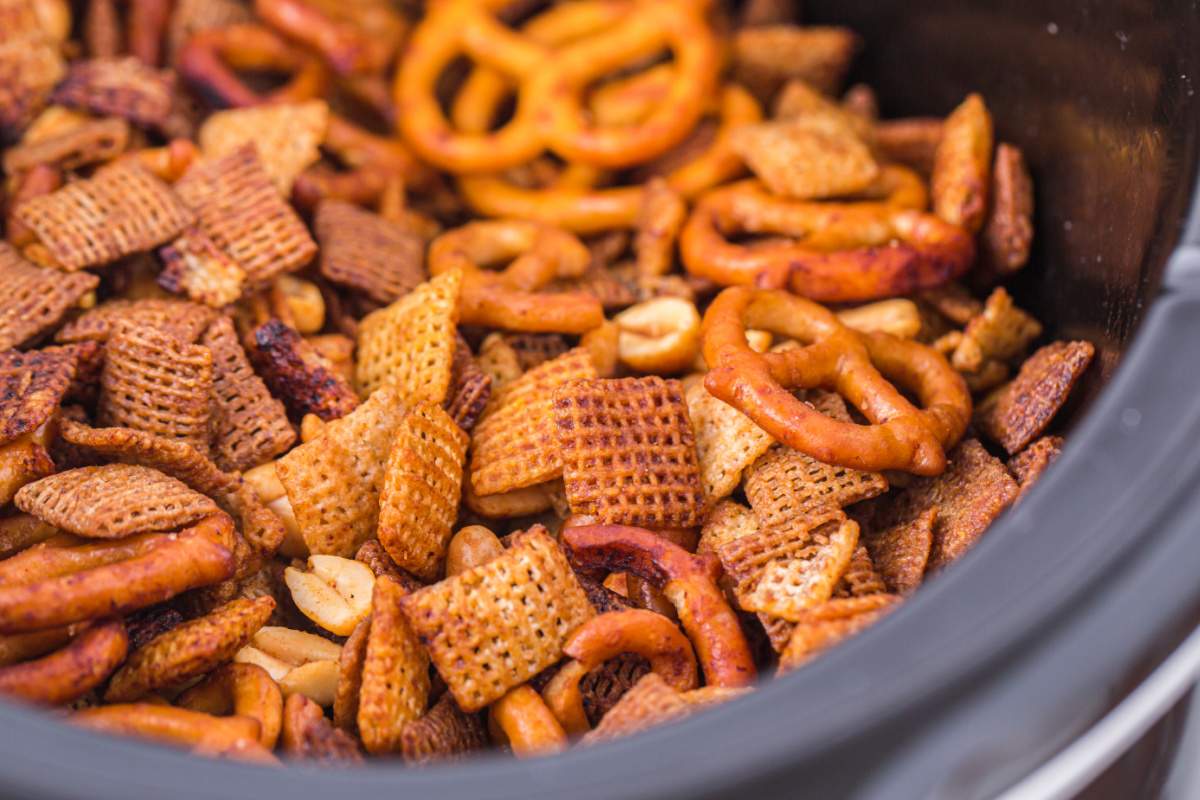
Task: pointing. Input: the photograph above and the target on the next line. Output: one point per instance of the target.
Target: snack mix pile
(409, 379)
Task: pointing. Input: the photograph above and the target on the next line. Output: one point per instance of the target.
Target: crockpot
(1061, 649)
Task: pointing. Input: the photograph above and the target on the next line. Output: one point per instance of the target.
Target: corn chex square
(628, 451)
(287, 135)
(727, 441)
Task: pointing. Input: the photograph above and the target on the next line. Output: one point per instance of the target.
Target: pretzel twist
(246, 690)
(856, 365)
(688, 581)
(70, 672)
(229, 737)
(51, 586)
(606, 636)
(209, 60)
(509, 300)
(844, 252)
(551, 82)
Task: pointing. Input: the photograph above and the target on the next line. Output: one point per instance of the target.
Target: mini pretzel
(524, 719)
(209, 59)
(71, 672)
(346, 47)
(230, 737)
(114, 578)
(688, 581)
(899, 436)
(245, 690)
(508, 299)
(550, 85)
(844, 252)
(638, 631)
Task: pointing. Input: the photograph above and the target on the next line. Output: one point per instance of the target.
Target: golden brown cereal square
(766, 56)
(812, 156)
(781, 571)
(363, 251)
(1000, 332)
(286, 135)
(900, 546)
(785, 483)
(649, 703)
(494, 627)
(834, 622)
(179, 318)
(515, 445)
(240, 209)
(113, 501)
(251, 425)
(122, 209)
(628, 451)
(333, 482)
(446, 732)
(1028, 465)
(155, 382)
(1018, 412)
(395, 673)
(36, 299)
(306, 381)
(32, 386)
(470, 388)
(973, 491)
(194, 266)
(727, 441)
(421, 487)
(727, 521)
(119, 87)
(410, 344)
(30, 66)
(860, 578)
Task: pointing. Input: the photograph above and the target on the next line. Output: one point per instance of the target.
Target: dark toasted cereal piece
(603, 687)
(786, 483)
(764, 57)
(119, 87)
(1018, 412)
(782, 571)
(89, 142)
(601, 597)
(333, 482)
(148, 624)
(421, 488)
(395, 673)
(516, 444)
(308, 736)
(446, 732)
(306, 381)
(494, 627)
(180, 318)
(1028, 465)
(350, 674)
(900, 547)
(32, 386)
(411, 342)
(470, 388)
(121, 210)
(238, 206)
(649, 703)
(727, 441)
(374, 556)
(953, 301)
(251, 425)
(113, 501)
(535, 349)
(363, 251)
(831, 623)
(860, 578)
(189, 650)
(194, 266)
(973, 491)
(628, 451)
(1008, 231)
(36, 299)
(286, 135)
(31, 63)
(155, 382)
